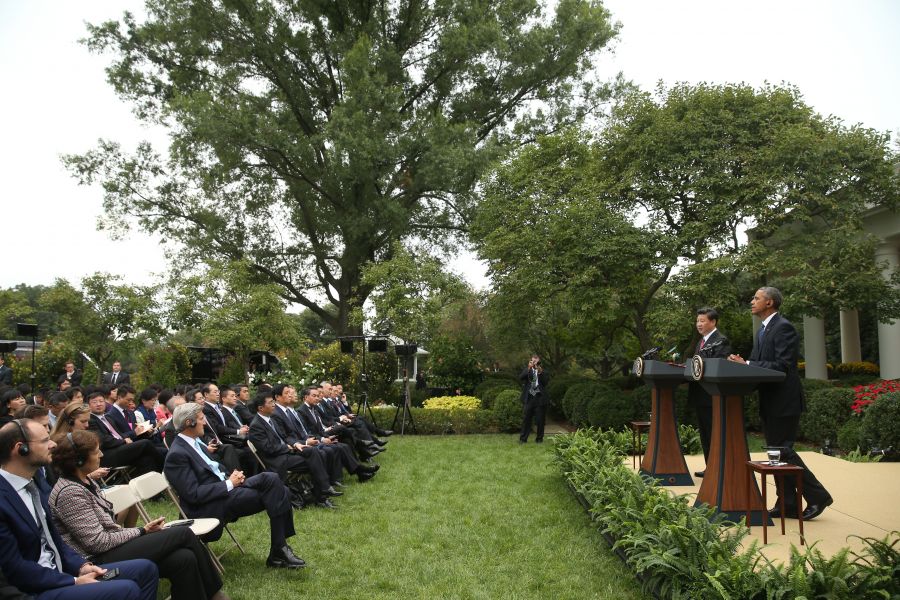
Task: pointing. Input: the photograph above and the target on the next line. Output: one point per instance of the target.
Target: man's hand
(155, 525)
(237, 478)
(127, 440)
(345, 419)
(212, 447)
(244, 430)
(88, 573)
(737, 358)
(312, 442)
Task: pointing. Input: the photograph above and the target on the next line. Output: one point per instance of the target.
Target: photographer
(534, 399)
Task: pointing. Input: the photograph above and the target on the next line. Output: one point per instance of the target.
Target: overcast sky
(843, 56)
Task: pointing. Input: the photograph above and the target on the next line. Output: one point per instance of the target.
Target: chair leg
(235, 540)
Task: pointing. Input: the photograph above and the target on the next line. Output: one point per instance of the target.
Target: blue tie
(759, 336)
(213, 466)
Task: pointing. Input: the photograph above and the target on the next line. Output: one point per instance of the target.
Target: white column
(850, 351)
(889, 335)
(814, 347)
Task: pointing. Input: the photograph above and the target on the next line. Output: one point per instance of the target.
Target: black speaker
(346, 346)
(405, 349)
(377, 345)
(8, 346)
(26, 330)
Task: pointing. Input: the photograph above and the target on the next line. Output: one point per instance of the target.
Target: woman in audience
(85, 521)
(74, 417)
(11, 401)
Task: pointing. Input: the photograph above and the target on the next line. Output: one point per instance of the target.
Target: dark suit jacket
(20, 546)
(201, 492)
(542, 398)
(716, 347)
(107, 440)
(312, 425)
(243, 412)
(779, 350)
(273, 451)
(6, 375)
(124, 425)
(122, 379)
(223, 430)
(75, 379)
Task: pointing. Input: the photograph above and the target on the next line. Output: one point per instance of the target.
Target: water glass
(774, 456)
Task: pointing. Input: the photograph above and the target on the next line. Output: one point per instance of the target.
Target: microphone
(651, 352)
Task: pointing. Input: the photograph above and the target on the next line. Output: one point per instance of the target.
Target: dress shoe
(325, 503)
(814, 510)
(364, 476)
(790, 512)
(540, 441)
(298, 504)
(700, 474)
(384, 432)
(333, 493)
(367, 468)
(284, 558)
(380, 443)
(337, 484)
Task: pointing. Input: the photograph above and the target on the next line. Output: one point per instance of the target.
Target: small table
(779, 471)
(637, 453)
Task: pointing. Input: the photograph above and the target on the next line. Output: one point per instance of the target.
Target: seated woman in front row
(85, 521)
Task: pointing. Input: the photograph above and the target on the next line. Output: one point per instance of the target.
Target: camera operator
(534, 399)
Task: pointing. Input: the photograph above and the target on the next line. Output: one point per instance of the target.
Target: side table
(637, 451)
(779, 471)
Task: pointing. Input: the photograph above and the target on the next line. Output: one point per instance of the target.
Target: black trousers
(704, 423)
(180, 557)
(535, 411)
(782, 432)
(267, 492)
(139, 454)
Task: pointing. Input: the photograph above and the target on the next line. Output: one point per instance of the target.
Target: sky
(843, 56)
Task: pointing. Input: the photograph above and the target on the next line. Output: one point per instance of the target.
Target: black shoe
(333, 493)
(337, 484)
(298, 504)
(367, 468)
(700, 474)
(540, 441)
(364, 476)
(814, 510)
(384, 432)
(379, 443)
(326, 503)
(790, 512)
(284, 558)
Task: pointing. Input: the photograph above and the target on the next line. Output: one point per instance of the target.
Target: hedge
(508, 410)
(827, 409)
(881, 422)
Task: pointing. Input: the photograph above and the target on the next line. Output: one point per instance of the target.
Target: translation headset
(23, 449)
(79, 460)
(187, 424)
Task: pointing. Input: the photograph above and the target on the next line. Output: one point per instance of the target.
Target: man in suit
(777, 346)
(712, 344)
(118, 450)
(282, 452)
(70, 376)
(117, 376)
(224, 426)
(242, 404)
(33, 556)
(6, 373)
(534, 399)
(206, 491)
(321, 423)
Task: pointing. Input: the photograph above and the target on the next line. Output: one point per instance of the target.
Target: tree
(104, 317)
(308, 138)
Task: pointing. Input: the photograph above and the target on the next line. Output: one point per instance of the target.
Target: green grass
(476, 516)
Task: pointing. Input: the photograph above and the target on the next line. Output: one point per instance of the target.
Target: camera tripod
(407, 414)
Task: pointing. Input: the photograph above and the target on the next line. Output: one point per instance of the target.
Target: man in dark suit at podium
(777, 346)
(712, 344)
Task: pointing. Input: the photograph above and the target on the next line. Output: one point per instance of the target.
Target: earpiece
(79, 460)
(23, 449)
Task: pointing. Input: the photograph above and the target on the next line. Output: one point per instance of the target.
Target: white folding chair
(151, 484)
(122, 497)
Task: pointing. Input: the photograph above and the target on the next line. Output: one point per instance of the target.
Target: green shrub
(827, 409)
(453, 402)
(489, 397)
(576, 401)
(493, 383)
(610, 407)
(856, 368)
(418, 397)
(881, 422)
(849, 436)
(167, 365)
(508, 410)
(690, 439)
(684, 413)
(557, 389)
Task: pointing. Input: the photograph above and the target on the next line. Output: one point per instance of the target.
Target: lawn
(476, 516)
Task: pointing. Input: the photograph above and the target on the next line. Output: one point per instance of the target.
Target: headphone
(187, 424)
(24, 450)
(79, 460)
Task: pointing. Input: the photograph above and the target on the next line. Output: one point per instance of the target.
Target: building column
(814, 347)
(889, 335)
(850, 351)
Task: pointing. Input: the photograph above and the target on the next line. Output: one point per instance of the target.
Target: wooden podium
(725, 484)
(663, 459)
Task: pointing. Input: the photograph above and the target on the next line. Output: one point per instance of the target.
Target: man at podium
(777, 346)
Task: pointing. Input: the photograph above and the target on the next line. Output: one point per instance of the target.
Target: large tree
(309, 137)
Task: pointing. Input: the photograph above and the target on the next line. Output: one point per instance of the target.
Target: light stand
(29, 330)
(362, 406)
(407, 413)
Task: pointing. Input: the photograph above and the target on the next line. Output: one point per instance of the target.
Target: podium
(725, 484)
(663, 459)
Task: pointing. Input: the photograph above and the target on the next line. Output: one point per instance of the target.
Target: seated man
(205, 490)
(119, 451)
(283, 452)
(320, 423)
(230, 435)
(33, 556)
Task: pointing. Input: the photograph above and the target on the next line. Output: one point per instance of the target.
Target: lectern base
(670, 478)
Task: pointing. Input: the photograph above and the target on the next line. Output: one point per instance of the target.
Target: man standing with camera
(534, 399)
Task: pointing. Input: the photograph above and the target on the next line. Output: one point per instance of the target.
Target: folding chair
(122, 497)
(115, 474)
(292, 479)
(150, 484)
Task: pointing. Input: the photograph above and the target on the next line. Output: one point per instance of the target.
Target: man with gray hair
(777, 346)
(206, 491)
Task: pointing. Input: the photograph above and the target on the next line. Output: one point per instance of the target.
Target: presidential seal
(638, 367)
(697, 367)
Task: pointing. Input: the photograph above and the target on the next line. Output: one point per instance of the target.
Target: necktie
(299, 424)
(759, 336)
(214, 467)
(42, 521)
(317, 420)
(219, 412)
(112, 429)
(115, 378)
(702, 343)
(272, 425)
(234, 414)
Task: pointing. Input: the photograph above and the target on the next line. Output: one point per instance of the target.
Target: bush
(849, 437)
(642, 396)
(557, 389)
(454, 363)
(508, 410)
(690, 439)
(575, 403)
(418, 397)
(452, 402)
(611, 408)
(167, 365)
(489, 396)
(881, 422)
(447, 421)
(827, 409)
(856, 368)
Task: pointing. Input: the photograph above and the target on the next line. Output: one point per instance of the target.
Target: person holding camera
(534, 399)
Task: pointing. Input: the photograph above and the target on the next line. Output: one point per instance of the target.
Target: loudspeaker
(8, 346)
(346, 346)
(377, 345)
(26, 330)
(405, 349)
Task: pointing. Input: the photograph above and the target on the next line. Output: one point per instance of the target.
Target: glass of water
(774, 456)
